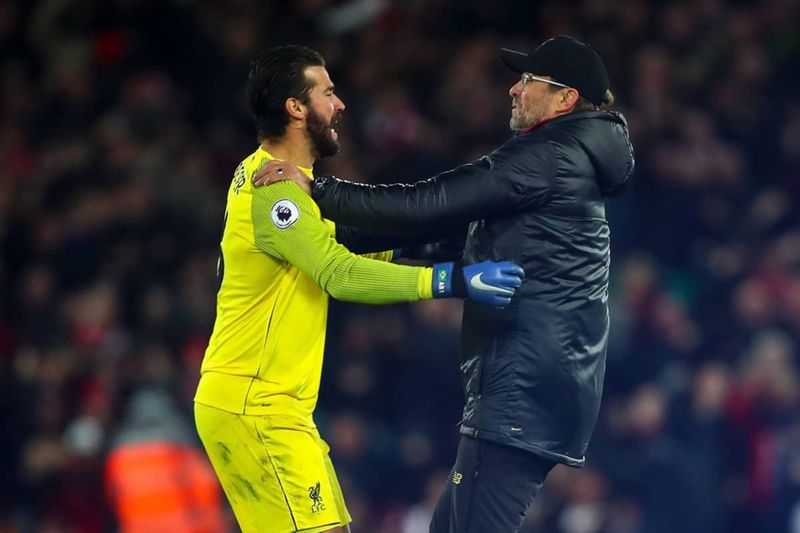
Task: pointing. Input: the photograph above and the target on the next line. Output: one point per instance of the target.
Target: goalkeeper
(279, 262)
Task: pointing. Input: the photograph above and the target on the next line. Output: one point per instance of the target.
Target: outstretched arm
(287, 226)
(514, 177)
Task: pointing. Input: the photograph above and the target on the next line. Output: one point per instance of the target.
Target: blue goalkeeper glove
(489, 283)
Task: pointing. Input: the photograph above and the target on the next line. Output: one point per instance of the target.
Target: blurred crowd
(122, 123)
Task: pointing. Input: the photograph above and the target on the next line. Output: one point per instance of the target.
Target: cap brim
(515, 60)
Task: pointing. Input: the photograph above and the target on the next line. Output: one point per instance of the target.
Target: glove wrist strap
(459, 283)
(442, 280)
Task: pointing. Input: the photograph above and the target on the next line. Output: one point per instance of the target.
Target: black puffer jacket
(533, 372)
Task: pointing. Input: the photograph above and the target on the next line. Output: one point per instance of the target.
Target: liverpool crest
(313, 493)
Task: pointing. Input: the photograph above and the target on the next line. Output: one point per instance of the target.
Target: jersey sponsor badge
(284, 213)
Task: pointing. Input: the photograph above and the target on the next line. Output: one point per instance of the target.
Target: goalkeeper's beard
(319, 132)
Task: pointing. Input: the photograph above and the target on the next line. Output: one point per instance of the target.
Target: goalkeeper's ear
(296, 109)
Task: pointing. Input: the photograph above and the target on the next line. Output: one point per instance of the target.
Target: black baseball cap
(568, 61)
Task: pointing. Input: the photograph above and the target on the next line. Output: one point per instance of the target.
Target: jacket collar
(575, 115)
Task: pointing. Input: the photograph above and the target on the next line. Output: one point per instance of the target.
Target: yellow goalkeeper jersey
(279, 262)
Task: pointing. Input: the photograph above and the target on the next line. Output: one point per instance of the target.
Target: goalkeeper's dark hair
(275, 75)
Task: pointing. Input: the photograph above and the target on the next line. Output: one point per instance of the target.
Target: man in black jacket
(533, 372)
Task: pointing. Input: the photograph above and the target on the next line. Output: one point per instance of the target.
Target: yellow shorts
(275, 471)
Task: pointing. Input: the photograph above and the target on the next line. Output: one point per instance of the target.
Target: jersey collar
(308, 171)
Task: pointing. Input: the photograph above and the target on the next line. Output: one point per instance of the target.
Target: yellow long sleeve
(288, 226)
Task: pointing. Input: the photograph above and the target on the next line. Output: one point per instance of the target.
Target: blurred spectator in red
(156, 477)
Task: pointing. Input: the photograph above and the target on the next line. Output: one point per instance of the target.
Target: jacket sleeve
(516, 176)
(286, 226)
(363, 241)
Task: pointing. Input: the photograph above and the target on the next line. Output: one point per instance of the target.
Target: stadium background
(122, 122)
